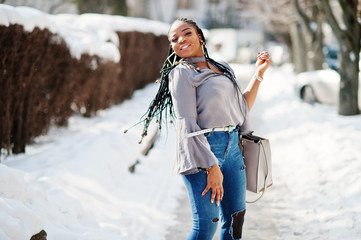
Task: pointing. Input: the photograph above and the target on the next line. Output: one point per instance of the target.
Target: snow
(316, 163)
(75, 184)
(93, 34)
(352, 56)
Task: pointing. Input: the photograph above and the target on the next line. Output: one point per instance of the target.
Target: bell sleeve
(194, 152)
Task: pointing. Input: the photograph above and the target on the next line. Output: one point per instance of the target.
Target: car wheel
(308, 95)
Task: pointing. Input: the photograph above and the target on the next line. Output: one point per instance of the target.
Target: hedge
(43, 85)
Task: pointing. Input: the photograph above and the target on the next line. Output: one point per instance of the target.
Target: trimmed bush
(42, 84)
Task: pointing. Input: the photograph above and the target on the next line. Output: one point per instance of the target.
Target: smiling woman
(210, 109)
(185, 41)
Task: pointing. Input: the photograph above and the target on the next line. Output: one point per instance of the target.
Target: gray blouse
(202, 99)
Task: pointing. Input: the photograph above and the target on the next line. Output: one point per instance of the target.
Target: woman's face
(185, 40)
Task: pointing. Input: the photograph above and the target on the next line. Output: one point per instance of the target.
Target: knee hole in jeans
(237, 224)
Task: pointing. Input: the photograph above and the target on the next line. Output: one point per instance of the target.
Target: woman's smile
(184, 47)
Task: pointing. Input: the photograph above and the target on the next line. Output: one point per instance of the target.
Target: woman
(210, 110)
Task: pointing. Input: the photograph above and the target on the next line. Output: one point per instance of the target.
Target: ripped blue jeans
(232, 208)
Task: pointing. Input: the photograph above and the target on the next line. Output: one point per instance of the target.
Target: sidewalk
(258, 223)
(184, 216)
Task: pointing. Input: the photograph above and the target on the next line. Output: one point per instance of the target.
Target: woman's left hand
(263, 62)
(214, 183)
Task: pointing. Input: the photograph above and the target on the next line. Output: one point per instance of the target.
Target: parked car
(331, 57)
(321, 86)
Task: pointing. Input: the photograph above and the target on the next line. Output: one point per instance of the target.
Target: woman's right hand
(214, 182)
(263, 62)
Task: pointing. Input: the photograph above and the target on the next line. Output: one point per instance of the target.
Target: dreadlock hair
(161, 106)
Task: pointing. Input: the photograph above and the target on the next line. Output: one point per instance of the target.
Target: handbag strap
(264, 186)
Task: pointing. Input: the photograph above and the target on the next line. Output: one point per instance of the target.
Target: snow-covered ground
(316, 163)
(75, 184)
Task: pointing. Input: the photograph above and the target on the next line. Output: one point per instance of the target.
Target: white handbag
(257, 158)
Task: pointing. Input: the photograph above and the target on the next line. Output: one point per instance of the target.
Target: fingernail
(212, 201)
(217, 204)
(202, 194)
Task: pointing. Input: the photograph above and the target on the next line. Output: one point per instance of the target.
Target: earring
(203, 46)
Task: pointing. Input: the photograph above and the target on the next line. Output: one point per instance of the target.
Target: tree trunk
(349, 69)
(317, 45)
(349, 41)
(119, 7)
(298, 48)
(313, 37)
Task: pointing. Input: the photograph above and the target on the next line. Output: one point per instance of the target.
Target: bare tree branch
(332, 20)
(305, 20)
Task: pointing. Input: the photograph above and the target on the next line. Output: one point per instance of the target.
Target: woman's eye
(174, 40)
(188, 33)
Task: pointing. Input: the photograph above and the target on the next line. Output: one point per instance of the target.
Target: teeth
(185, 47)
